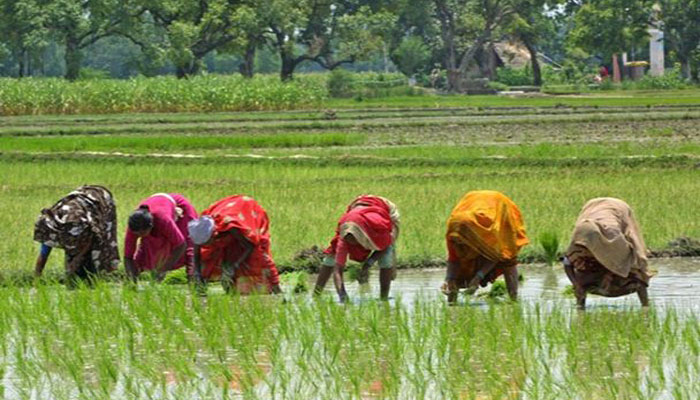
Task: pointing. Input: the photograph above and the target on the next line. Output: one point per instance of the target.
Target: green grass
(305, 199)
(178, 143)
(378, 124)
(387, 148)
(611, 98)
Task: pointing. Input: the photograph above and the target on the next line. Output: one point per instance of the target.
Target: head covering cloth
(201, 229)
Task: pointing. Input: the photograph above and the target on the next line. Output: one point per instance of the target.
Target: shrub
(670, 80)
(497, 86)
(340, 83)
(551, 76)
(343, 83)
(514, 76)
(411, 56)
(93, 73)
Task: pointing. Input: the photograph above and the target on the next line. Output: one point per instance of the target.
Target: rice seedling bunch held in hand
(366, 233)
(485, 233)
(232, 242)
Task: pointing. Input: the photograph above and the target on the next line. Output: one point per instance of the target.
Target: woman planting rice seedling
(84, 225)
(232, 241)
(607, 255)
(485, 232)
(160, 224)
(366, 233)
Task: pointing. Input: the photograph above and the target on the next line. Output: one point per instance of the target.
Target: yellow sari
(488, 224)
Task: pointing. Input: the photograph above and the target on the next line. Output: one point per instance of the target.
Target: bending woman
(485, 233)
(607, 255)
(366, 233)
(232, 241)
(84, 225)
(159, 225)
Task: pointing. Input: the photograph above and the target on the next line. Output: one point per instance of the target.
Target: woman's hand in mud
(160, 275)
(449, 287)
(363, 275)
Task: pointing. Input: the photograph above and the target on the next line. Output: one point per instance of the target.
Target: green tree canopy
(680, 21)
(194, 28)
(606, 27)
(329, 33)
(80, 23)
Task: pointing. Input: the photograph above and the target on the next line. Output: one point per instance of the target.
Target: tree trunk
(454, 78)
(385, 54)
(536, 72)
(247, 66)
(616, 69)
(20, 62)
(187, 70)
(72, 58)
(685, 68)
(289, 64)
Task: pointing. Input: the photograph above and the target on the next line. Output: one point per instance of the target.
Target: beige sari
(606, 240)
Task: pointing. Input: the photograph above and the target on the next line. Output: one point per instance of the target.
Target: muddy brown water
(677, 285)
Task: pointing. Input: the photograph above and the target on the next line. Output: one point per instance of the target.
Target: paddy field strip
(161, 341)
(306, 170)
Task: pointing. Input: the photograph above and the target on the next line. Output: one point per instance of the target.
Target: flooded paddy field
(160, 341)
(676, 286)
(167, 342)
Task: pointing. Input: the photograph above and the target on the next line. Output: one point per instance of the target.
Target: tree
(412, 55)
(465, 26)
(329, 33)
(680, 21)
(195, 28)
(22, 27)
(608, 27)
(529, 25)
(80, 23)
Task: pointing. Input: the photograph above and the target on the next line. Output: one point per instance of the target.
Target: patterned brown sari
(84, 219)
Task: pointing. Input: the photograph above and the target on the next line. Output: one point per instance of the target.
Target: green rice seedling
(549, 241)
(287, 189)
(568, 291)
(295, 282)
(176, 277)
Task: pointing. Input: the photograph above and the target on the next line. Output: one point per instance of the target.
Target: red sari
(373, 221)
(256, 272)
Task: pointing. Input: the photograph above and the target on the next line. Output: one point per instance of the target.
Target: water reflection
(677, 284)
